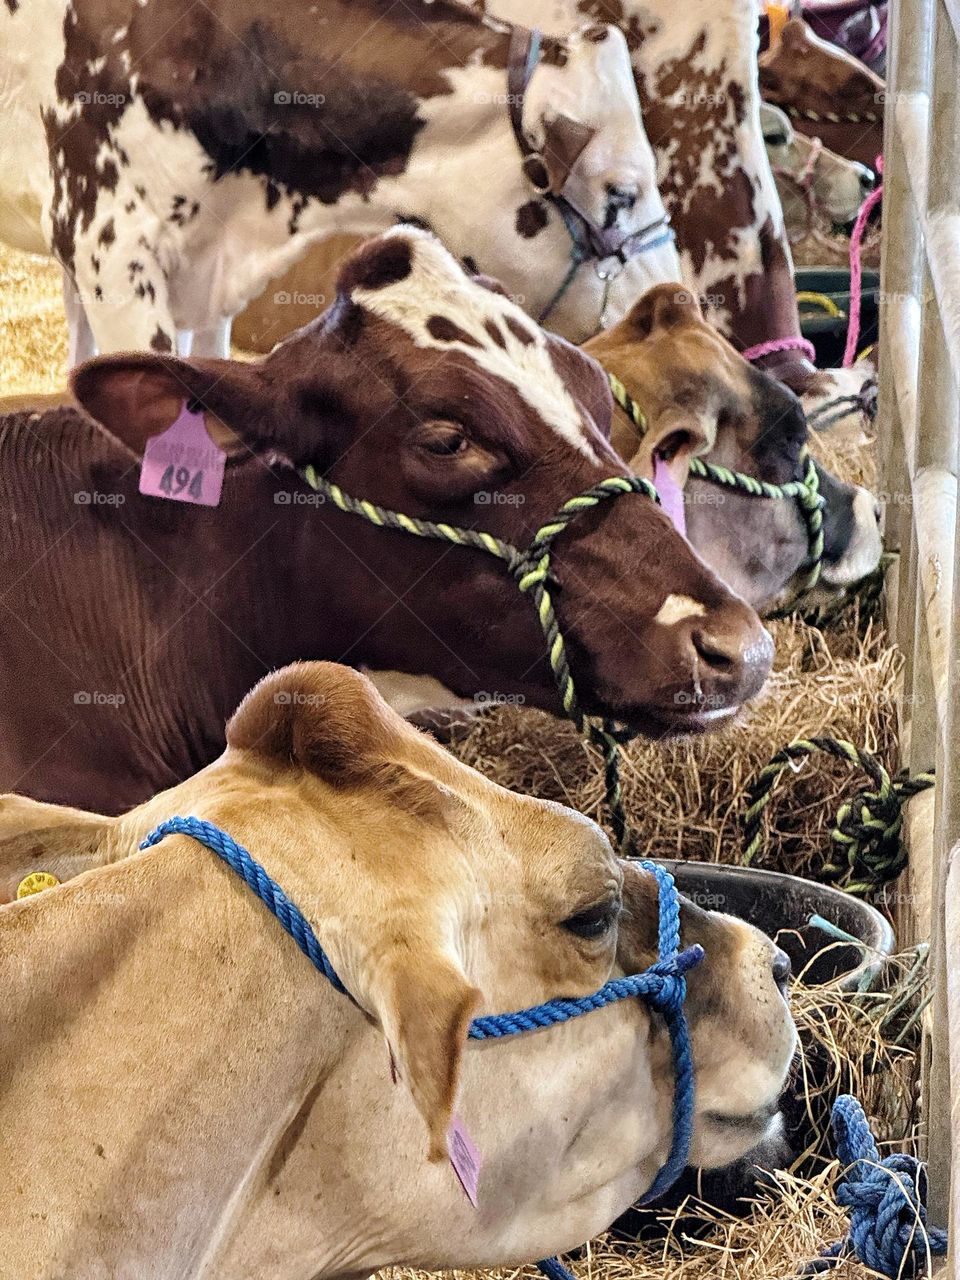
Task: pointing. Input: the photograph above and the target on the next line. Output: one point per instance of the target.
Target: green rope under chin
(805, 492)
(531, 569)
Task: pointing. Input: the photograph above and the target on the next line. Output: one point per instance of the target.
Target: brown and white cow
(175, 157)
(700, 397)
(696, 73)
(826, 92)
(132, 625)
(811, 179)
(189, 1097)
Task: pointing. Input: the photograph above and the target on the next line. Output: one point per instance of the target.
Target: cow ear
(331, 720)
(322, 716)
(287, 402)
(564, 142)
(139, 396)
(48, 838)
(665, 306)
(425, 1005)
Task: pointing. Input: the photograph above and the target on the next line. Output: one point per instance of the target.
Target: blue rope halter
(887, 1203)
(663, 986)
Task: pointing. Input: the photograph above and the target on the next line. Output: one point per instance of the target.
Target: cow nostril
(877, 512)
(781, 967)
(867, 181)
(713, 651)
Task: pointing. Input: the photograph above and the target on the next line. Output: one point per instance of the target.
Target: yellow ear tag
(36, 882)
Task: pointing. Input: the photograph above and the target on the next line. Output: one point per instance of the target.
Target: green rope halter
(868, 851)
(805, 492)
(532, 571)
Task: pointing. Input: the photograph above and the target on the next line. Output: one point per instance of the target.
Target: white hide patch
(677, 608)
(864, 548)
(437, 286)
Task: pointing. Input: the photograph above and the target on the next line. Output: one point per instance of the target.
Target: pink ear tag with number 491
(183, 463)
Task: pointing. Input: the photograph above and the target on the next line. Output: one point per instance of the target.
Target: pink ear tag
(671, 495)
(465, 1158)
(183, 463)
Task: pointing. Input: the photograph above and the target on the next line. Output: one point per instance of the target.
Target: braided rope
(663, 985)
(805, 492)
(868, 850)
(532, 572)
(887, 1203)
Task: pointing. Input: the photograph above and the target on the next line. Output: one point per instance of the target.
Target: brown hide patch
(377, 264)
(612, 12)
(531, 218)
(445, 330)
(519, 331)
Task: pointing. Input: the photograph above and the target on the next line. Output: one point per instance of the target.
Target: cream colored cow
(182, 1095)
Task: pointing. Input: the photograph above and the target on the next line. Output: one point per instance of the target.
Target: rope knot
(886, 1198)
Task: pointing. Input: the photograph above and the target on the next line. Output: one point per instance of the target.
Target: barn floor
(789, 1223)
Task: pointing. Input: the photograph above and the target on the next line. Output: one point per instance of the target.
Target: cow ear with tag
(139, 396)
(425, 1005)
(331, 720)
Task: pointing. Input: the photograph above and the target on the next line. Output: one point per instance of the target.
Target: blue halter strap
(663, 986)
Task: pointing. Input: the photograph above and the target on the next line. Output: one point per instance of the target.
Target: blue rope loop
(887, 1200)
(663, 986)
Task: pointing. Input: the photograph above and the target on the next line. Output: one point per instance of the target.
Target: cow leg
(214, 341)
(124, 288)
(80, 343)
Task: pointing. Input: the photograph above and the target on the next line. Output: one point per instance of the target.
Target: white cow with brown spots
(175, 157)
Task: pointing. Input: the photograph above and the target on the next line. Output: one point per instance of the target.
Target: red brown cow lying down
(134, 624)
(191, 1098)
(701, 397)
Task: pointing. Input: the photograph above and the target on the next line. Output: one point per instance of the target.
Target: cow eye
(442, 439)
(775, 139)
(595, 921)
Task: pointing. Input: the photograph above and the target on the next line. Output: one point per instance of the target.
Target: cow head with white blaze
(430, 393)
(437, 896)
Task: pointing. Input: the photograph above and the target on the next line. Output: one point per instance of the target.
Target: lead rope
(531, 570)
(887, 1200)
(805, 492)
(868, 850)
(663, 986)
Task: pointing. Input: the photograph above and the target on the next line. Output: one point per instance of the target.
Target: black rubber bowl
(782, 905)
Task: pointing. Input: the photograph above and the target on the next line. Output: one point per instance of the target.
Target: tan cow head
(437, 895)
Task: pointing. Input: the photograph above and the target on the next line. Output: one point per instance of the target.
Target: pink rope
(856, 270)
(793, 343)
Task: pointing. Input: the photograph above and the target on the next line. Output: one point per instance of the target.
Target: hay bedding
(685, 799)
